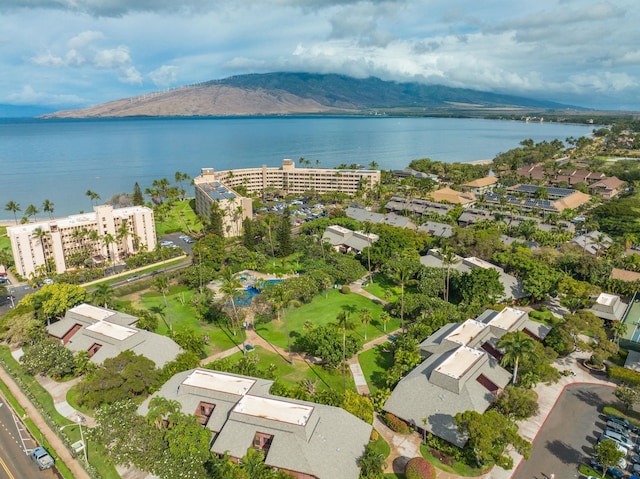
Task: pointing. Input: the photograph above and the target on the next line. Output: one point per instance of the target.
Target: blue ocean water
(60, 160)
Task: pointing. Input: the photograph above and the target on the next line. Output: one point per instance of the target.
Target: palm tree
(161, 283)
(401, 271)
(619, 329)
(103, 295)
(231, 289)
(343, 324)
(108, 240)
(517, 345)
(31, 211)
(281, 299)
(47, 207)
(14, 208)
(384, 319)
(367, 227)
(365, 318)
(449, 258)
(41, 235)
(93, 196)
(122, 235)
(269, 222)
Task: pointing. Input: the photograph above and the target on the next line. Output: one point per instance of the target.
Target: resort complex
(220, 187)
(106, 237)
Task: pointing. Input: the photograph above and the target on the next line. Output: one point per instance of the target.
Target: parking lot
(567, 438)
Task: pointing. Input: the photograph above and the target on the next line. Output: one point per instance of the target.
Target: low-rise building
(304, 439)
(461, 372)
(417, 206)
(439, 230)
(106, 235)
(345, 240)
(104, 334)
(609, 307)
(481, 185)
(390, 219)
(593, 243)
(453, 197)
(607, 188)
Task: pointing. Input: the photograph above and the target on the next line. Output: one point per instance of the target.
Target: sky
(77, 53)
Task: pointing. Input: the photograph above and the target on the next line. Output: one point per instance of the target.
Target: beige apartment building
(219, 186)
(108, 235)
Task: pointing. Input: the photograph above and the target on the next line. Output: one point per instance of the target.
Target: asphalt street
(568, 435)
(15, 443)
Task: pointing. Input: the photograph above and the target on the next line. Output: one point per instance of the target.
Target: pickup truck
(42, 458)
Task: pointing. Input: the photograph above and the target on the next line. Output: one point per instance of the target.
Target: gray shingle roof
(112, 335)
(324, 442)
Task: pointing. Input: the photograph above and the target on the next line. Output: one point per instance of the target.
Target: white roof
(112, 330)
(219, 382)
(282, 411)
(607, 299)
(465, 332)
(506, 318)
(459, 362)
(92, 312)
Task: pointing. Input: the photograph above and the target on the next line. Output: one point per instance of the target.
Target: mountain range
(306, 93)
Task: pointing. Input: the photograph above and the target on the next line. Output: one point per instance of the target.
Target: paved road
(14, 444)
(568, 435)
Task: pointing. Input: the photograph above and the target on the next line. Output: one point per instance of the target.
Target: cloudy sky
(75, 53)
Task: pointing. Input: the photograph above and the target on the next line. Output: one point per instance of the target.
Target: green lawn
(181, 217)
(283, 266)
(383, 288)
(374, 362)
(323, 310)
(290, 375)
(180, 314)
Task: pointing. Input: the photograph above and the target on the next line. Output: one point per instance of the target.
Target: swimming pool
(253, 290)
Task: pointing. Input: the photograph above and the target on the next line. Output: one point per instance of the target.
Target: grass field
(383, 288)
(181, 217)
(292, 375)
(374, 362)
(181, 315)
(323, 310)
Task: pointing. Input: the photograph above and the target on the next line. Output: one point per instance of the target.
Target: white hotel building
(219, 186)
(63, 237)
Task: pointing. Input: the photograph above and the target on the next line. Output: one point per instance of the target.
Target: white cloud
(113, 58)
(29, 96)
(164, 76)
(130, 75)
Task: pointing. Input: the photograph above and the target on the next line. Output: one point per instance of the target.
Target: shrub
(374, 435)
(419, 468)
(345, 289)
(624, 375)
(395, 424)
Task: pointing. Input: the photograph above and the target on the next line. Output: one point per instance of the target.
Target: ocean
(60, 160)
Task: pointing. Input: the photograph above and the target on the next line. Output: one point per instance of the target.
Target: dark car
(612, 471)
(623, 422)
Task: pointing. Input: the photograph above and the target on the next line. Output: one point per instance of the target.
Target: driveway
(569, 433)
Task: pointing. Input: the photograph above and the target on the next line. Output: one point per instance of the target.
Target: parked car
(623, 421)
(612, 471)
(635, 459)
(42, 458)
(619, 438)
(619, 428)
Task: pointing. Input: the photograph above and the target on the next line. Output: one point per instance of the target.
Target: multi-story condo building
(219, 186)
(105, 236)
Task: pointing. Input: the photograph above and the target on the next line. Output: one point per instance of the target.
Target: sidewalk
(53, 439)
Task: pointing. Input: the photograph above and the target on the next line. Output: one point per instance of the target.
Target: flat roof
(506, 318)
(93, 312)
(276, 410)
(465, 332)
(479, 262)
(112, 330)
(215, 381)
(459, 362)
(607, 299)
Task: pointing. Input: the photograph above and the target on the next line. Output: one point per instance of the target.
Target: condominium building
(105, 236)
(219, 186)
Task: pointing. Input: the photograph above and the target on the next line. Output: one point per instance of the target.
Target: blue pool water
(247, 296)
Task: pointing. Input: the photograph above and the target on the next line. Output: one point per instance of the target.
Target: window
(262, 441)
(204, 411)
(488, 384)
(94, 349)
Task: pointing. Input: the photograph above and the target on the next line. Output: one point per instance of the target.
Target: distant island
(318, 94)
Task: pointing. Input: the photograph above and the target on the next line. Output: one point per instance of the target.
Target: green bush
(419, 468)
(345, 289)
(628, 376)
(396, 424)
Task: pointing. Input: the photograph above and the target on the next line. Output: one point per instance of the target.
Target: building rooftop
(92, 312)
(274, 409)
(507, 318)
(214, 381)
(462, 359)
(465, 332)
(112, 330)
